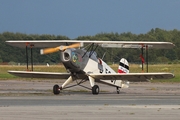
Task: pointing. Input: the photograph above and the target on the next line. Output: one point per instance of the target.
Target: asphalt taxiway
(34, 100)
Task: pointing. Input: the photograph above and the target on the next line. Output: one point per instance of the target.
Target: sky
(73, 18)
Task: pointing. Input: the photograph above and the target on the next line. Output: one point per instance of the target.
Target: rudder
(123, 66)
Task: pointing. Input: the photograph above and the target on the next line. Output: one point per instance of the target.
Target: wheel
(118, 91)
(56, 89)
(95, 90)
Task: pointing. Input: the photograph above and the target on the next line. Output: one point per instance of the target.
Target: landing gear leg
(117, 89)
(95, 90)
(56, 89)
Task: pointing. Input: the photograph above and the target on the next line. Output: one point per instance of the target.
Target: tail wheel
(117, 89)
(95, 90)
(56, 89)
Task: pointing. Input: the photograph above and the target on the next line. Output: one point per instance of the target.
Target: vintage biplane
(83, 64)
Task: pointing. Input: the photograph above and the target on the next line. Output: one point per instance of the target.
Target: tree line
(10, 54)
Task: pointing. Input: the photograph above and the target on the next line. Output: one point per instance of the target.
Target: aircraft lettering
(107, 71)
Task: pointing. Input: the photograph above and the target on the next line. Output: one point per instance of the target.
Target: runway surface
(34, 100)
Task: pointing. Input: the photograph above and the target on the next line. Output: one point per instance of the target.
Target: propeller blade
(60, 48)
(49, 50)
(70, 46)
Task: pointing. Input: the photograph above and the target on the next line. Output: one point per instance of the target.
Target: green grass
(173, 68)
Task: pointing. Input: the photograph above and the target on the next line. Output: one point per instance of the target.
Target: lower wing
(31, 74)
(133, 77)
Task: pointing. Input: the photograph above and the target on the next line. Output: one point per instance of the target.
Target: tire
(56, 89)
(95, 90)
(117, 89)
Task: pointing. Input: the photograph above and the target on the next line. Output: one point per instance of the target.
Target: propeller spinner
(60, 48)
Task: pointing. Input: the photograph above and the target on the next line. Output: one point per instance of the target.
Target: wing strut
(142, 58)
(31, 57)
(27, 60)
(91, 50)
(27, 56)
(147, 58)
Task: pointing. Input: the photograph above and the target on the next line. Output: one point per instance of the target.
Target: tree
(9, 53)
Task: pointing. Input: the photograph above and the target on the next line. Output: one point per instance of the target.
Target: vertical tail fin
(123, 66)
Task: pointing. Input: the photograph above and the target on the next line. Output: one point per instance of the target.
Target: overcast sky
(74, 18)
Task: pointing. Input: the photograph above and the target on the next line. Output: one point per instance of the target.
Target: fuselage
(81, 61)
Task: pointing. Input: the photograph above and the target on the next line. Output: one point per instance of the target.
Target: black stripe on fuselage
(123, 65)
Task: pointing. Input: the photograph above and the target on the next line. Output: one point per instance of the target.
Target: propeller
(60, 48)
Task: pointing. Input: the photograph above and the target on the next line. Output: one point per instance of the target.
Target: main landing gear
(95, 89)
(57, 89)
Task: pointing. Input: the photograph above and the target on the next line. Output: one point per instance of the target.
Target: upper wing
(30, 74)
(133, 77)
(117, 44)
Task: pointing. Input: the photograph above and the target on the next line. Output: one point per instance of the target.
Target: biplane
(83, 65)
